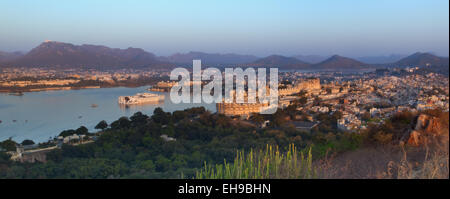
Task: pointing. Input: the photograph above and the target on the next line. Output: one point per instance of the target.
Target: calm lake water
(41, 115)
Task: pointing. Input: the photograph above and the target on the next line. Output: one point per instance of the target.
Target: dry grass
(434, 165)
(388, 162)
(383, 162)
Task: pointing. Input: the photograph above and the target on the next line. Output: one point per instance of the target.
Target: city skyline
(323, 28)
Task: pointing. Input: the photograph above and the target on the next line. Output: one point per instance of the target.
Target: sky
(258, 27)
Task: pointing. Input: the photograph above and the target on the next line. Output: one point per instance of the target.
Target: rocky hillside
(428, 130)
(58, 54)
(337, 62)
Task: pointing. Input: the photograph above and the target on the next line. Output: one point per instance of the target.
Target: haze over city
(261, 28)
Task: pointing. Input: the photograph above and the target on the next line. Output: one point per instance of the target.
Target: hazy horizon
(259, 56)
(260, 28)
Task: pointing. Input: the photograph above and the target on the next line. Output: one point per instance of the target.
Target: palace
(309, 85)
(241, 109)
(140, 98)
(246, 109)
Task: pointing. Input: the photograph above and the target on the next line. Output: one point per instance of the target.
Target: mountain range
(208, 58)
(315, 59)
(58, 54)
(426, 61)
(381, 59)
(312, 59)
(339, 62)
(7, 56)
(280, 62)
(423, 59)
(334, 62)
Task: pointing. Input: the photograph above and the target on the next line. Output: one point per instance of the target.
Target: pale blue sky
(259, 27)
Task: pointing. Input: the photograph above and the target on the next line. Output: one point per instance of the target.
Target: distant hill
(312, 59)
(380, 59)
(208, 58)
(426, 61)
(7, 56)
(422, 59)
(281, 62)
(339, 62)
(60, 54)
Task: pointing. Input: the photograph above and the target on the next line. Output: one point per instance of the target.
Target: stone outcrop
(426, 130)
(40, 156)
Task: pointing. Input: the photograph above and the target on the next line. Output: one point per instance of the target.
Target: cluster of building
(375, 99)
(360, 98)
(13, 78)
(25, 83)
(163, 86)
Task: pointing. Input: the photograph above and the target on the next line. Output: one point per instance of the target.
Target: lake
(41, 115)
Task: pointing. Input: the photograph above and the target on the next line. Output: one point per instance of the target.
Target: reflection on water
(137, 107)
(41, 115)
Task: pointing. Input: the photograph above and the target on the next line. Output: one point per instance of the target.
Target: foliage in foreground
(263, 164)
(133, 148)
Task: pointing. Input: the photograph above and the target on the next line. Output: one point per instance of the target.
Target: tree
(27, 142)
(205, 119)
(222, 120)
(179, 115)
(337, 115)
(316, 101)
(162, 163)
(138, 119)
(82, 130)
(66, 133)
(148, 165)
(122, 123)
(303, 100)
(8, 145)
(161, 117)
(366, 116)
(102, 125)
(291, 110)
(302, 93)
(279, 118)
(257, 118)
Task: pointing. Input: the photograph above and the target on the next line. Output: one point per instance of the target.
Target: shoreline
(29, 90)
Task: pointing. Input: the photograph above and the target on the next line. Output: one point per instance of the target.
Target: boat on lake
(16, 94)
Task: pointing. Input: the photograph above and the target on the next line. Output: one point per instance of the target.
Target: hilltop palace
(246, 109)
